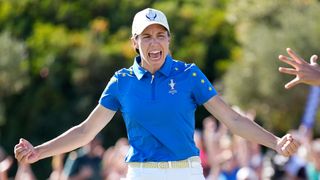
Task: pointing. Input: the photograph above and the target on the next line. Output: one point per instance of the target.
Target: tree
(13, 69)
(264, 30)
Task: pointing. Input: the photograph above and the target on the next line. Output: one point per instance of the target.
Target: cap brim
(138, 32)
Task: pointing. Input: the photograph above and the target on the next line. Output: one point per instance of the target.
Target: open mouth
(155, 55)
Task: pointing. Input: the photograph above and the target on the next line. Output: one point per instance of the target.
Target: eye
(146, 37)
(162, 36)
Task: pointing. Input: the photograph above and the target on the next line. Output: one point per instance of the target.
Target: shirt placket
(153, 87)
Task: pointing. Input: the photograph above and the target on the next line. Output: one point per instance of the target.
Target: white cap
(147, 17)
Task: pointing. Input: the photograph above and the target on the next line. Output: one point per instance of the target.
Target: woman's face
(153, 45)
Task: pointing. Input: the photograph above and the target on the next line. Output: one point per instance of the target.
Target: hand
(5, 164)
(213, 133)
(304, 72)
(25, 153)
(287, 146)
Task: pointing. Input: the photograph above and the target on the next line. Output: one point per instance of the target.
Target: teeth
(154, 52)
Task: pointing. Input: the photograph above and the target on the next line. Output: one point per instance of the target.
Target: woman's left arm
(248, 129)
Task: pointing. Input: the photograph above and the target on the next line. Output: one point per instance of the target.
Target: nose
(154, 40)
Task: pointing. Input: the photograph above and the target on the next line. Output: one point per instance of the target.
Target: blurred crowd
(224, 156)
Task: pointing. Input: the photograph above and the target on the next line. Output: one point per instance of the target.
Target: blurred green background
(56, 57)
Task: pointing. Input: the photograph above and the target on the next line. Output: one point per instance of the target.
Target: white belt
(167, 164)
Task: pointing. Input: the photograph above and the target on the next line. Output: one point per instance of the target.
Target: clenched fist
(25, 153)
(287, 145)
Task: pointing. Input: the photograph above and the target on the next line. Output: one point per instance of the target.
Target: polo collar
(140, 72)
(137, 69)
(166, 67)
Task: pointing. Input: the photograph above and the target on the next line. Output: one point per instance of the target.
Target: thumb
(284, 140)
(313, 59)
(289, 137)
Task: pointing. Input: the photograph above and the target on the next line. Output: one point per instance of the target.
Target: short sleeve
(109, 97)
(202, 89)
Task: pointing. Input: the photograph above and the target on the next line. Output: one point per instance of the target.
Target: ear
(169, 38)
(134, 43)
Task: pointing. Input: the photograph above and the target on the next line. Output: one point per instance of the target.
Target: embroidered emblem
(172, 90)
(151, 15)
(202, 81)
(194, 74)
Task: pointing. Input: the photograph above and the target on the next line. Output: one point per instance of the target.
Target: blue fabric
(312, 172)
(229, 175)
(158, 109)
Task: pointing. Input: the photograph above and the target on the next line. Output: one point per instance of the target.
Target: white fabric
(194, 172)
(147, 17)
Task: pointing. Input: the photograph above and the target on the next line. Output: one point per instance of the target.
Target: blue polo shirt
(159, 109)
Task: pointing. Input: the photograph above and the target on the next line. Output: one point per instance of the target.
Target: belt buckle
(163, 165)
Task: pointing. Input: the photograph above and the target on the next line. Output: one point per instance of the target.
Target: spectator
(24, 172)
(114, 166)
(313, 166)
(5, 164)
(57, 168)
(88, 165)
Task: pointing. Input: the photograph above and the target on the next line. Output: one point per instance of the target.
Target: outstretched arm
(75, 137)
(304, 72)
(248, 129)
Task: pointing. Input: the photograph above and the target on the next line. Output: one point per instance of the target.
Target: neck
(148, 67)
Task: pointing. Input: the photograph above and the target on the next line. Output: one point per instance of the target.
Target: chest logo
(172, 90)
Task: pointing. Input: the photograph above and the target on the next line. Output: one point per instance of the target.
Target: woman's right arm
(73, 138)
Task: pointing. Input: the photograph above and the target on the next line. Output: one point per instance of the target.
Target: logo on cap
(151, 15)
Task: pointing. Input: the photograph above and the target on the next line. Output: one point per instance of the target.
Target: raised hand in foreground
(305, 73)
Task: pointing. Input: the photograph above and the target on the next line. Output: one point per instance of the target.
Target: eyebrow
(161, 32)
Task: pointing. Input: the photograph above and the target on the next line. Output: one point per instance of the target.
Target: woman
(157, 97)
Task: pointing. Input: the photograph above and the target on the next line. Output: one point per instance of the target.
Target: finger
(295, 56)
(293, 147)
(18, 151)
(24, 159)
(17, 147)
(22, 154)
(288, 60)
(292, 83)
(285, 149)
(282, 141)
(285, 58)
(288, 70)
(290, 148)
(313, 60)
(26, 143)
(296, 144)
(289, 137)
